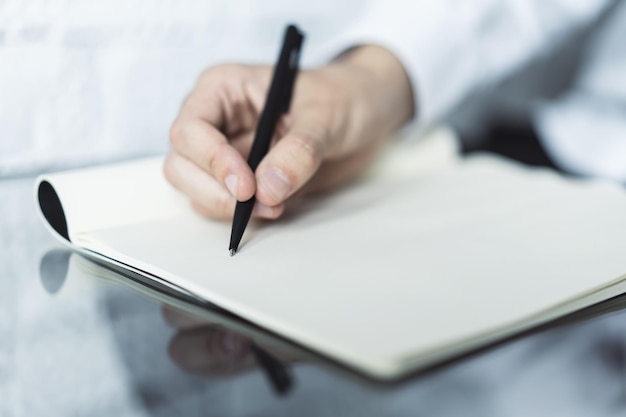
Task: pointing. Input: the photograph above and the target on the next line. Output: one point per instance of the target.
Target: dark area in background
(517, 141)
(497, 118)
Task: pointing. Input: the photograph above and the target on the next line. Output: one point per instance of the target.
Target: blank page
(396, 272)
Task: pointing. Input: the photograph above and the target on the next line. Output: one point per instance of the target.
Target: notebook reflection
(582, 354)
(53, 268)
(202, 343)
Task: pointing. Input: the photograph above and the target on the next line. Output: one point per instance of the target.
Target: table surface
(93, 347)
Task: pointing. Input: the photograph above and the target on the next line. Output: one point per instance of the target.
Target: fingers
(207, 147)
(228, 96)
(290, 163)
(207, 195)
(213, 134)
(225, 103)
(211, 350)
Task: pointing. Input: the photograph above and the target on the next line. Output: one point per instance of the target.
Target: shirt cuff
(427, 47)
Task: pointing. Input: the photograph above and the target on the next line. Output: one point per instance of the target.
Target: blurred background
(92, 81)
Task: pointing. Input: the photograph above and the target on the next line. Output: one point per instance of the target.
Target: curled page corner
(51, 210)
(73, 203)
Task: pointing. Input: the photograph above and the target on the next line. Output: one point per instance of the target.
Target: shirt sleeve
(583, 130)
(450, 47)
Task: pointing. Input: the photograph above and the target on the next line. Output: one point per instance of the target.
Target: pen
(277, 102)
(278, 374)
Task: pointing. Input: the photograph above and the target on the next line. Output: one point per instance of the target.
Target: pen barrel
(243, 211)
(277, 102)
(279, 95)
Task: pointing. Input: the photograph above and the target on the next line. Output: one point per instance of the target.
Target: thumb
(291, 162)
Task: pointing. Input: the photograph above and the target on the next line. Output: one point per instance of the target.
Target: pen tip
(232, 252)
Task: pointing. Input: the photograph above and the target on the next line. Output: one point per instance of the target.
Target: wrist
(380, 85)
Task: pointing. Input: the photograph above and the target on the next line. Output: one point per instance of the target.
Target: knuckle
(168, 170)
(206, 75)
(216, 156)
(306, 151)
(177, 137)
(217, 72)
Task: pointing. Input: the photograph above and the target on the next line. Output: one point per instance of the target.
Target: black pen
(278, 374)
(277, 102)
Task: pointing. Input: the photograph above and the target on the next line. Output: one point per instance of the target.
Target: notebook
(423, 259)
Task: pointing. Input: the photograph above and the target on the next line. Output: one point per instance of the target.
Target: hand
(340, 116)
(202, 347)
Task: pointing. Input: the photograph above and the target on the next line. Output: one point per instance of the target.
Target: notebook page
(395, 267)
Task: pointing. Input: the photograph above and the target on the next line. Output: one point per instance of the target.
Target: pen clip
(293, 66)
(288, 93)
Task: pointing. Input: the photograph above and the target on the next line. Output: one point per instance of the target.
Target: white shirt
(89, 81)
(451, 48)
(86, 81)
(585, 129)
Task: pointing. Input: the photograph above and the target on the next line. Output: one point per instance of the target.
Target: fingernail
(232, 183)
(276, 184)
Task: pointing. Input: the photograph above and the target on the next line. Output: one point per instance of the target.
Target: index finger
(209, 149)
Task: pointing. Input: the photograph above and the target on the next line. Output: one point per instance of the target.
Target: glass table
(75, 342)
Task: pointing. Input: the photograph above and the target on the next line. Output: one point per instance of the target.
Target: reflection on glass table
(577, 364)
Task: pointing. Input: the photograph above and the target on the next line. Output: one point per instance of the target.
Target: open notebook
(408, 267)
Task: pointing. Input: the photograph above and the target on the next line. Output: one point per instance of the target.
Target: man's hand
(202, 347)
(340, 116)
